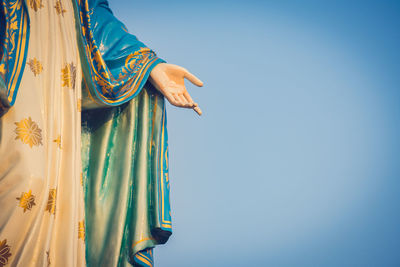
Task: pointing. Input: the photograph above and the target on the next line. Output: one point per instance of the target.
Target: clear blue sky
(295, 161)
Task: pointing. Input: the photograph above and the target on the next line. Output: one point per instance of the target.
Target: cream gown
(41, 198)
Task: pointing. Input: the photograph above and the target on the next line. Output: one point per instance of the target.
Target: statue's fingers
(193, 79)
(183, 100)
(189, 99)
(198, 110)
(171, 99)
(178, 100)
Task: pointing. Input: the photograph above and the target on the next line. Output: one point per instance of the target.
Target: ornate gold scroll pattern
(2, 68)
(26, 200)
(166, 163)
(144, 259)
(59, 8)
(164, 222)
(166, 157)
(4, 252)
(142, 240)
(68, 75)
(11, 31)
(107, 88)
(17, 21)
(51, 202)
(35, 66)
(153, 119)
(36, 4)
(81, 230)
(28, 132)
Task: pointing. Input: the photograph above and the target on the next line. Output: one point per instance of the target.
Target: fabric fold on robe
(124, 143)
(125, 171)
(125, 151)
(117, 63)
(41, 198)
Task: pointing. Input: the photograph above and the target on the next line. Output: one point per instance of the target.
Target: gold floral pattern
(59, 8)
(26, 200)
(68, 75)
(4, 253)
(36, 66)
(28, 132)
(81, 230)
(58, 141)
(36, 4)
(51, 202)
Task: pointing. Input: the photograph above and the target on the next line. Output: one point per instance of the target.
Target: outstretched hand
(169, 80)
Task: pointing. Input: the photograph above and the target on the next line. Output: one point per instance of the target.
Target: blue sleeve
(14, 39)
(118, 64)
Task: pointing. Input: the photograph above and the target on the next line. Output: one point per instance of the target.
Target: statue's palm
(169, 79)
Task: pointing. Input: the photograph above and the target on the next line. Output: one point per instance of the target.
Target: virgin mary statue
(83, 139)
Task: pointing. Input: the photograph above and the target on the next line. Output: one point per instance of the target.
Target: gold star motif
(36, 4)
(35, 66)
(58, 141)
(26, 200)
(4, 252)
(59, 8)
(51, 202)
(68, 75)
(81, 230)
(28, 132)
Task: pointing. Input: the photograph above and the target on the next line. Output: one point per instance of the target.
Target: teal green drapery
(124, 147)
(125, 166)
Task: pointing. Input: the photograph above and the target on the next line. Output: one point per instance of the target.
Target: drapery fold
(117, 63)
(124, 138)
(125, 151)
(125, 175)
(41, 198)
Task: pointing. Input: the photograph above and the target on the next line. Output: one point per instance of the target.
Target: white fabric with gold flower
(41, 197)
